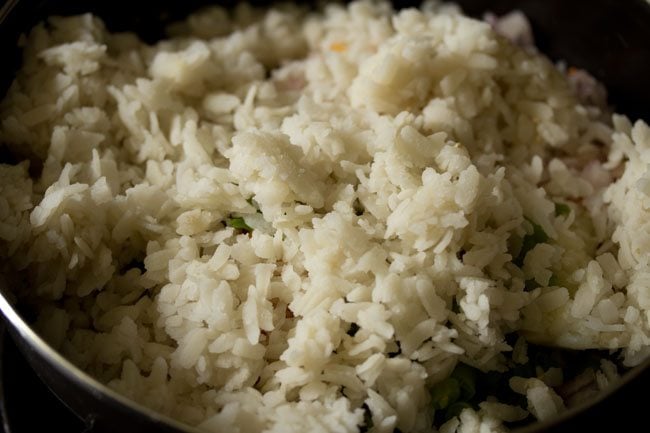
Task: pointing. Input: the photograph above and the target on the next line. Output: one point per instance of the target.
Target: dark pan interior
(609, 38)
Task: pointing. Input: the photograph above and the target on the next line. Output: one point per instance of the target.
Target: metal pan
(609, 38)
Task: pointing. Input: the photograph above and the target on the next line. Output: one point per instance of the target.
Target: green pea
(538, 236)
(562, 209)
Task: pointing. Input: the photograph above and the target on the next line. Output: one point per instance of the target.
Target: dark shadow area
(26, 404)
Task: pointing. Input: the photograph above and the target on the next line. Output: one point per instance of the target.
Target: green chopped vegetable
(455, 409)
(445, 393)
(553, 281)
(456, 392)
(562, 209)
(239, 224)
(538, 236)
(466, 377)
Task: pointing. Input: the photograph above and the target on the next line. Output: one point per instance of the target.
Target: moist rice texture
(290, 221)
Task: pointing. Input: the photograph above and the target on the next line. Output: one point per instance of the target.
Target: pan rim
(23, 330)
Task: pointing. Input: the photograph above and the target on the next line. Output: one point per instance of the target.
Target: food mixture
(357, 219)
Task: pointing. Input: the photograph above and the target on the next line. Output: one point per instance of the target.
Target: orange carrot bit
(339, 47)
(572, 71)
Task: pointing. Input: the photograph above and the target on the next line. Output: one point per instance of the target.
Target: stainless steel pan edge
(101, 408)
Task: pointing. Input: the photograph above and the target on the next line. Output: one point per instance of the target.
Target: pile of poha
(293, 221)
